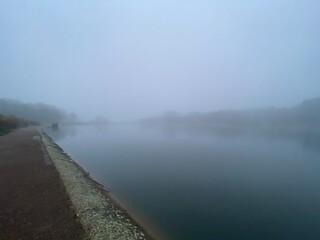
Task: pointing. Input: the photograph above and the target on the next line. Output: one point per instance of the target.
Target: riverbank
(4, 130)
(44, 194)
(99, 213)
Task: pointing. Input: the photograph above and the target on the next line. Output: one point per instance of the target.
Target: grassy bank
(4, 130)
(8, 123)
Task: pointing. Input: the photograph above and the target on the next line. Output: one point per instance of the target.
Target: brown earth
(33, 201)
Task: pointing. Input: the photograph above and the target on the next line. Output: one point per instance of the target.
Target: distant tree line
(305, 114)
(37, 112)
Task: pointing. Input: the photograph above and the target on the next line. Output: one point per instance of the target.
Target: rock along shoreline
(100, 215)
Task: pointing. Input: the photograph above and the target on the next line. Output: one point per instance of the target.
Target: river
(207, 183)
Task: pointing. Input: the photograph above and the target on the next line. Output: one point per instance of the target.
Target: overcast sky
(132, 58)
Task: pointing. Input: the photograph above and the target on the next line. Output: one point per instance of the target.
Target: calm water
(208, 183)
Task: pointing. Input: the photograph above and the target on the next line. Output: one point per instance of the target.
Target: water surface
(208, 183)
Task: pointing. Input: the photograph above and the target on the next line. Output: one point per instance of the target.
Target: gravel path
(33, 201)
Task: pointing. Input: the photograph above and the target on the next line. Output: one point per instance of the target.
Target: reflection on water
(310, 137)
(61, 133)
(71, 130)
(208, 182)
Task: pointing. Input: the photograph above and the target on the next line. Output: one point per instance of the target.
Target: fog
(39, 112)
(132, 59)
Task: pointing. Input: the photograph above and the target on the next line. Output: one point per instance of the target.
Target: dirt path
(33, 200)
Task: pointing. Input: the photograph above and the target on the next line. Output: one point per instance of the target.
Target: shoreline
(139, 218)
(101, 213)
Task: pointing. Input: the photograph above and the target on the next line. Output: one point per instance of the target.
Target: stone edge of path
(101, 217)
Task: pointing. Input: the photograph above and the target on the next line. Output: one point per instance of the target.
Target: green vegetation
(8, 123)
(4, 130)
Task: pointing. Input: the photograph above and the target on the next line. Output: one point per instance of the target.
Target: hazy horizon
(132, 59)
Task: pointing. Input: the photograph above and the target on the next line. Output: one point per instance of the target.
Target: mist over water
(203, 116)
(219, 183)
(127, 60)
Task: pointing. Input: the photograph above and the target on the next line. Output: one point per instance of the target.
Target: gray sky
(133, 58)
